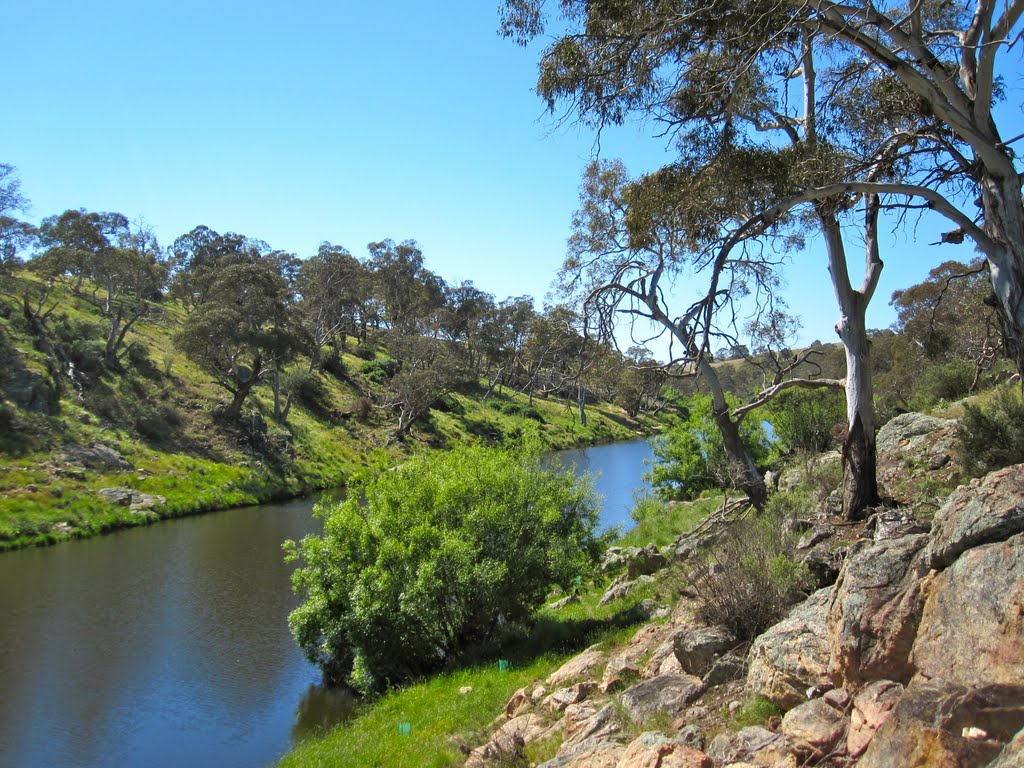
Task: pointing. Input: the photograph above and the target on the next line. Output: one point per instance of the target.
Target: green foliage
(805, 420)
(378, 371)
(690, 456)
(660, 522)
(756, 710)
(752, 576)
(306, 388)
(946, 382)
(991, 436)
(446, 550)
(365, 351)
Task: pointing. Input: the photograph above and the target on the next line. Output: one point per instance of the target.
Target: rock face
(655, 750)
(813, 728)
(507, 742)
(792, 656)
(905, 432)
(754, 745)
(980, 513)
(578, 666)
(939, 723)
(96, 456)
(982, 595)
(875, 611)
(871, 708)
(664, 693)
(697, 648)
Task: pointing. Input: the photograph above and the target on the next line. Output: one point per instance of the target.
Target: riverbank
(99, 480)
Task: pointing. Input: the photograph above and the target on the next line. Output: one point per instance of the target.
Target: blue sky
(347, 122)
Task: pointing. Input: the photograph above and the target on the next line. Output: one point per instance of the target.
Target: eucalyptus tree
(407, 291)
(15, 235)
(242, 331)
(852, 105)
(333, 288)
(124, 265)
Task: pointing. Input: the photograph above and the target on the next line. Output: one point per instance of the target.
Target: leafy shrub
(947, 382)
(805, 420)
(690, 457)
(435, 556)
(154, 422)
(992, 436)
(378, 371)
(307, 389)
(362, 407)
(365, 351)
(752, 576)
(335, 366)
(512, 408)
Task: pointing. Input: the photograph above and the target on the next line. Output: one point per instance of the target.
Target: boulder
(97, 457)
(578, 666)
(824, 564)
(588, 720)
(507, 743)
(905, 433)
(814, 728)
(875, 611)
(724, 669)
(664, 693)
(693, 736)
(592, 753)
(655, 750)
(941, 723)
(645, 562)
(574, 694)
(120, 497)
(871, 708)
(972, 629)
(983, 512)
(564, 601)
(28, 389)
(518, 703)
(754, 745)
(893, 524)
(622, 586)
(698, 647)
(615, 558)
(792, 656)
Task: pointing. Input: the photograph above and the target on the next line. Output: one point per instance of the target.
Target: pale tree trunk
(1004, 221)
(859, 454)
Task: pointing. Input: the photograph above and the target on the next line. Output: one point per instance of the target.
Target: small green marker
(404, 729)
(502, 665)
(578, 581)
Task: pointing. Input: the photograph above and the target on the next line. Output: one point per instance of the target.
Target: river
(168, 645)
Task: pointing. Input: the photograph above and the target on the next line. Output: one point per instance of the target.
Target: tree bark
(1004, 221)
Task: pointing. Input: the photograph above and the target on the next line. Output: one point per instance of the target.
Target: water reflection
(321, 708)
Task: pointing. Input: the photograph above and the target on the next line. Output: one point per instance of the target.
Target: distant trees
(241, 331)
(15, 236)
(124, 265)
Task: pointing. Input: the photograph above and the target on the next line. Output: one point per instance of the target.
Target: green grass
(660, 522)
(157, 414)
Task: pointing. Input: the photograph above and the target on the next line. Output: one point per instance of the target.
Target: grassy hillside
(71, 428)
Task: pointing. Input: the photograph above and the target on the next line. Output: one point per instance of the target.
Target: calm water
(168, 645)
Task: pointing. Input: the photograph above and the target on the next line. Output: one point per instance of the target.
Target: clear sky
(348, 122)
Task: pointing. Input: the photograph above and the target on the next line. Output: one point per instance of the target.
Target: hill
(86, 447)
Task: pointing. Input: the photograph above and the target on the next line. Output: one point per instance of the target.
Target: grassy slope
(158, 416)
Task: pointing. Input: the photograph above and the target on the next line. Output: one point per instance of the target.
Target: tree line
(259, 316)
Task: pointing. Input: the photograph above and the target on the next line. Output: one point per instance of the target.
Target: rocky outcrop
(138, 503)
(792, 656)
(985, 511)
(656, 750)
(871, 708)
(578, 666)
(755, 745)
(982, 595)
(508, 742)
(814, 728)
(875, 610)
(96, 456)
(906, 432)
(665, 693)
(940, 723)
(697, 648)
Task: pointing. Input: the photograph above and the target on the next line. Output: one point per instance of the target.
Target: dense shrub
(805, 420)
(690, 457)
(435, 556)
(947, 382)
(992, 436)
(752, 576)
(156, 422)
(335, 366)
(379, 371)
(307, 389)
(365, 351)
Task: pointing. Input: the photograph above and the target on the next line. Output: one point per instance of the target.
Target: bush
(690, 457)
(155, 422)
(423, 562)
(365, 351)
(307, 389)
(379, 371)
(335, 366)
(991, 437)
(751, 578)
(947, 382)
(805, 420)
